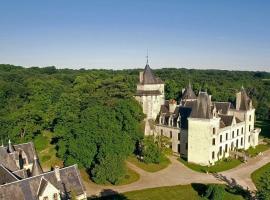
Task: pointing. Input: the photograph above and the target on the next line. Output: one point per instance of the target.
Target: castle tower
(202, 125)
(150, 93)
(246, 112)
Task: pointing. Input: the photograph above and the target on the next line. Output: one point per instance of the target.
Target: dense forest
(92, 114)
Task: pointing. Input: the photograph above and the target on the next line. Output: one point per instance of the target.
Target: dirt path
(178, 174)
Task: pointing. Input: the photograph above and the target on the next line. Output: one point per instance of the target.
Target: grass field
(256, 175)
(220, 166)
(130, 177)
(150, 167)
(46, 151)
(180, 192)
(259, 148)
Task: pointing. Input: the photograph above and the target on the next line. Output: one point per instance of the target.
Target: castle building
(21, 176)
(198, 124)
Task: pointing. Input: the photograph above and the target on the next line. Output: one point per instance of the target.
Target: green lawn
(130, 177)
(46, 151)
(259, 148)
(265, 126)
(256, 175)
(179, 192)
(150, 167)
(220, 166)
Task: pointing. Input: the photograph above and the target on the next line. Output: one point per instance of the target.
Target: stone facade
(197, 124)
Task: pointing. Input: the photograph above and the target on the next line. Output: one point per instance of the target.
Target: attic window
(55, 196)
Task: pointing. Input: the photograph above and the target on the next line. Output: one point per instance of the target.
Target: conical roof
(149, 77)
(245, 100)
(189, 93)
(36, 168)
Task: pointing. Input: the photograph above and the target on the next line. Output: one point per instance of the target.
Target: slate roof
(6, 176)
(222, 107)
(149, 77)
(245, 100)
(28, 188)
(9, 159)
(202, 107)
(36, 169)
(226, 120)
(189, 93)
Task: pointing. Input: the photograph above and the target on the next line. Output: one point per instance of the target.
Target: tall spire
(10, 147)
(147, 61)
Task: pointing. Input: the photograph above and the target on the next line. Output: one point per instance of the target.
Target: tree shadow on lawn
(108, 194)
(234, 187)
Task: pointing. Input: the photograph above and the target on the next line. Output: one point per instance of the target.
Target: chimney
(172, 105)
(57, 173)
(141, 77)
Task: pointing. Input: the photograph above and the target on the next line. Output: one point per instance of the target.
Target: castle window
(213, 141)
(248, 138)
(214, 131)
(233, 134)
(220, 138)
(237, 132)
(170, 134)
(226, 136)
(179, 136)
(213, 155)
(241, 141)
(249, 128)
(250, 118)
(161, 131)
(232, 146)
(236, 143)
(55, 196)
(178, 148)
(226, 148)
(242, 130)
(220, 151)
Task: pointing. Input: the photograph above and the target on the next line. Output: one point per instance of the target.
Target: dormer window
(55, 196)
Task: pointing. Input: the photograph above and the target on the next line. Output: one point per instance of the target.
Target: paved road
(178, 174)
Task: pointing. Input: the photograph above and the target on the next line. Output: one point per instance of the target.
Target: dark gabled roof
(7, 159)
(6, 176)
(149, 77)
(21, 174)
(202, 107)
(28, 188)
(189, 93)
(226, 119)
(222, 107)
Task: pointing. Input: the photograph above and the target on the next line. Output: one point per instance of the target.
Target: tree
(264, 189)
(151, 152)
(215, 192)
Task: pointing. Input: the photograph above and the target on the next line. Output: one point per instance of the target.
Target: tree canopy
(92, 114)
